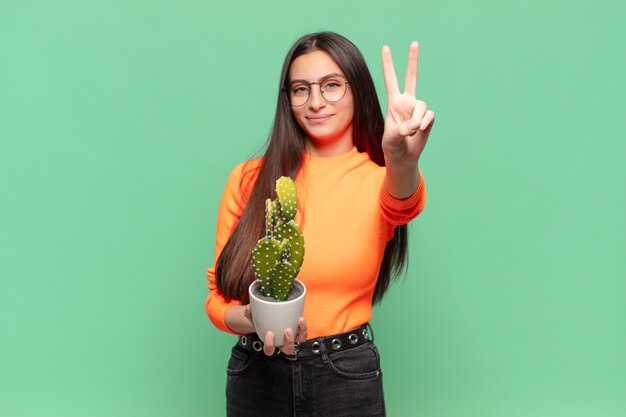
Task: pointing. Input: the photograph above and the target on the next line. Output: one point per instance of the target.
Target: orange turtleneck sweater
(347, 217)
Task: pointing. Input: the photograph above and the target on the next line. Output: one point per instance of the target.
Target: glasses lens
(299, 94)
(334, 89)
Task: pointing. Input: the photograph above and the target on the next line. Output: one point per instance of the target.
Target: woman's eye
(299, 90)
(329, 85)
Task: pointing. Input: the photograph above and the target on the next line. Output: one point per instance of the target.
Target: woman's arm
(407, 126)
(230, 209)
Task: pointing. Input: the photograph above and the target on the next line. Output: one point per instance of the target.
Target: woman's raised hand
(408, 120)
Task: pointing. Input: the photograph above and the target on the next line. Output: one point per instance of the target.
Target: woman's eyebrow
(332, 74)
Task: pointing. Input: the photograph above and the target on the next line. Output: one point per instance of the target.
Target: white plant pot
(276, 316)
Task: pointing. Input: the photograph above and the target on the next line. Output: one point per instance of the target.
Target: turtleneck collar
(329, 162)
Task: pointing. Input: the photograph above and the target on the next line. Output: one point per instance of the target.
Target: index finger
(410, 80)
(389, 72)
(268, 344)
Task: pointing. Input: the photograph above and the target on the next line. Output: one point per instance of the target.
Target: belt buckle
(294, 355)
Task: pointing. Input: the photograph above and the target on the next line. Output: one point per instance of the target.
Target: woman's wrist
(401, 181)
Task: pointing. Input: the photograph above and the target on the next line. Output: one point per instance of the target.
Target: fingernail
(288, 333)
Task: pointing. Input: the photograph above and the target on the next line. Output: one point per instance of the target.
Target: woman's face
(328, 125)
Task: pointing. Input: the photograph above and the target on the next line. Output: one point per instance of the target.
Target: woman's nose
(316, 101)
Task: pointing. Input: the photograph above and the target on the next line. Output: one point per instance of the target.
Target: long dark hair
(284, 156)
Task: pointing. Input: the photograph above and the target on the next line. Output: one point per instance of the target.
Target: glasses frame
(319, 82)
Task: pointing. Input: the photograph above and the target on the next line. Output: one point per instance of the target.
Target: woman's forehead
(313, 66)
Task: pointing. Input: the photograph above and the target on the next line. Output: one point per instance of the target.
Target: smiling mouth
(319, 119)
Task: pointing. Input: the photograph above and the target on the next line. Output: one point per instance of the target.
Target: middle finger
(410, 80)
(302, 334)
(288, 346)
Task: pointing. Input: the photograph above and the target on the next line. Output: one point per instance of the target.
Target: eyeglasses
(332, 86)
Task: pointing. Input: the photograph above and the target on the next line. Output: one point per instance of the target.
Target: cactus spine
(277, 257)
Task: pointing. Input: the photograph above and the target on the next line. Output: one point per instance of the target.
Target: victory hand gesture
(408, 121)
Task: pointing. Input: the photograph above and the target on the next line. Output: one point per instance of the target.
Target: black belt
(314, 347)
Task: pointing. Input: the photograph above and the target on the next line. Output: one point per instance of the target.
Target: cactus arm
(265, 256)
(282, 280)
(292, 232)
(288, 196)
(276, 212)
(269, 215)
(285, 250)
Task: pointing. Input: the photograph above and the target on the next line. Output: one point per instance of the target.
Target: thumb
(409, 127)
(247, 313)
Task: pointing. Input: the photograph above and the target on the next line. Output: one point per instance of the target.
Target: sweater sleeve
(230, 210)
(398, 212)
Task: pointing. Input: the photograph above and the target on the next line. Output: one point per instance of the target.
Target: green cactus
(277, 257)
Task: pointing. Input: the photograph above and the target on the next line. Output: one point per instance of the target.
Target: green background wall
(120, 120)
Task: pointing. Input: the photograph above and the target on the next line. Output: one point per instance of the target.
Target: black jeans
(337, 384)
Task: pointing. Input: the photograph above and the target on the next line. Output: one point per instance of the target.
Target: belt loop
(370, 331)
(323, 352)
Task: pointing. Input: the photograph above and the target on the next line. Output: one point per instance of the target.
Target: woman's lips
(319, 119)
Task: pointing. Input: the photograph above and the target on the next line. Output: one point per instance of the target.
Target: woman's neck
(329, 149)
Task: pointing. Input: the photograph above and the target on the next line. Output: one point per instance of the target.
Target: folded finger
(419, 110)
(427, 120)
(410, 127)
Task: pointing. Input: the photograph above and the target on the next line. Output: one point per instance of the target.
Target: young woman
(359, 185)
